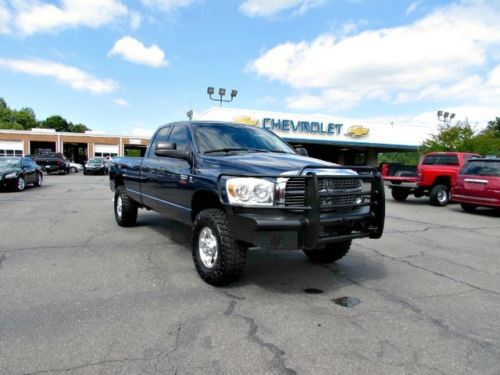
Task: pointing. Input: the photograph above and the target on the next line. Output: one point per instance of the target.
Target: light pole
(445, 117)
(222, 92)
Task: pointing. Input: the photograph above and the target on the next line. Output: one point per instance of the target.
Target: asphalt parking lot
(79, 294)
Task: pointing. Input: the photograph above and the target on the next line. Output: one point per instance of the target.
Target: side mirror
(301, 151)
(170, 150)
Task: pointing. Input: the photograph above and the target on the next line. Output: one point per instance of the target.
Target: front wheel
(330, 253)
(399, 194)
(73, 170)
(218, 257)
(468, 207)
(20, 183)
(439, 195)
(125, 208)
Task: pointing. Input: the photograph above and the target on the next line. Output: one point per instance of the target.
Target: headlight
(250, 191)
(11, 175)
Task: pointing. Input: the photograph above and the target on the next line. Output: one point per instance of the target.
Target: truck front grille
(336, 190)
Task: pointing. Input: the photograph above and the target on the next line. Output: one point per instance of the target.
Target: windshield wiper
(235, 149)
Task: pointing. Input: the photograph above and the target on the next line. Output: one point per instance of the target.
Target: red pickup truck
(436, 175)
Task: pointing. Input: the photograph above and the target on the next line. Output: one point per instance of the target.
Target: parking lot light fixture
(222, 93)
(445, 117)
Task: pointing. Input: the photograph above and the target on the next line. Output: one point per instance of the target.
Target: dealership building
(343, 141)
(75, 146)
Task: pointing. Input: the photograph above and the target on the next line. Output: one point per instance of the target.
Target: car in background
(75, 167)
(478, 184)
(51, 162)
(95, 166)
(17, 172)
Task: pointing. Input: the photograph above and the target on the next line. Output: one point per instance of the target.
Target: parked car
(17, 172)
(478, 184)
(95, 166)
(51, 162)
(75, 167)
(239, 187)
(436, 175)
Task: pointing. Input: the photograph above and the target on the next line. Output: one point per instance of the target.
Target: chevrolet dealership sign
(324, 129)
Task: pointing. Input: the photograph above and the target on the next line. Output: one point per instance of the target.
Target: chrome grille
(295, 191)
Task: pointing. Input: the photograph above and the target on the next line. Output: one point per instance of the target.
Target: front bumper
(313, 225)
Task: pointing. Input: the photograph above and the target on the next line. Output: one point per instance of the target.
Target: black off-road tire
(399, 194)
(231, 255)
(330, 253)
(436, 195)
(470, 208)
(128, 215)
(39, 179)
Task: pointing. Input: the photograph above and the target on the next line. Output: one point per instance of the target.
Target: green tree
(78, 128)
(56, 122)
(458, 137)
(406, 158)
(25, 117)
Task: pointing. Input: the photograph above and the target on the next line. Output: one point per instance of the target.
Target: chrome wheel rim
(442, 196)
(119, 206)
(208, 247)
(20, 183)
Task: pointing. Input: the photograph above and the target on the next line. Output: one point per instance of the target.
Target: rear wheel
(439, 195)
(39, 179)
(468, 207)
(218, 257)
(399, 194)
(125, 208)
(330, 253)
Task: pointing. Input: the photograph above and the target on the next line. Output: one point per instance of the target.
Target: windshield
(9, 163)
(223, 138)
(96, 161)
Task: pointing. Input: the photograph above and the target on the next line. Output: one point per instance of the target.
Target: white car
(75, 167)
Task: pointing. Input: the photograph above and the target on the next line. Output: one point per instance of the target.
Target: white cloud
(166, 5)
(269, 8)
(121, 102)
(33, 16)
(135, 51)
(4, 18)
(427, 59)
(68, 75)
(135, 20)
(412, 7)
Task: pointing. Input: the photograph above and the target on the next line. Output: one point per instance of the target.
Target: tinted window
(212, 137)
(161, 136)
(482, 168)
(179, 137)
(441, 160)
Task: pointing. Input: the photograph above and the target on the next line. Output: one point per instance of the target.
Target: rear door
(480, 179)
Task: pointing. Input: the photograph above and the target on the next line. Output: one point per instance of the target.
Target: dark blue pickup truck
(241, 187)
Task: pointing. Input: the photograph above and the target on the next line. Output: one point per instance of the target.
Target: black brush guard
(312, 218)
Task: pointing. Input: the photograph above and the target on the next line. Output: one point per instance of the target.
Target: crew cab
(436, 175)
(240, 187)
(52, 162)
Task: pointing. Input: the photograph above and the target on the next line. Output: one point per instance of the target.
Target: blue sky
(129, 66)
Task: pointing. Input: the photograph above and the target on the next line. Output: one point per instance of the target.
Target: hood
(261, 163)
(7, 170)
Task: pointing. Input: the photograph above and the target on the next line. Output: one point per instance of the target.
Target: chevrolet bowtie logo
(246, 120)
(357, 131)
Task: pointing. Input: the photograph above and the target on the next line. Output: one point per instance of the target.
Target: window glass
(216, 137)
(179, 137)
(161, 136)
(481, 168)
(441, 160)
